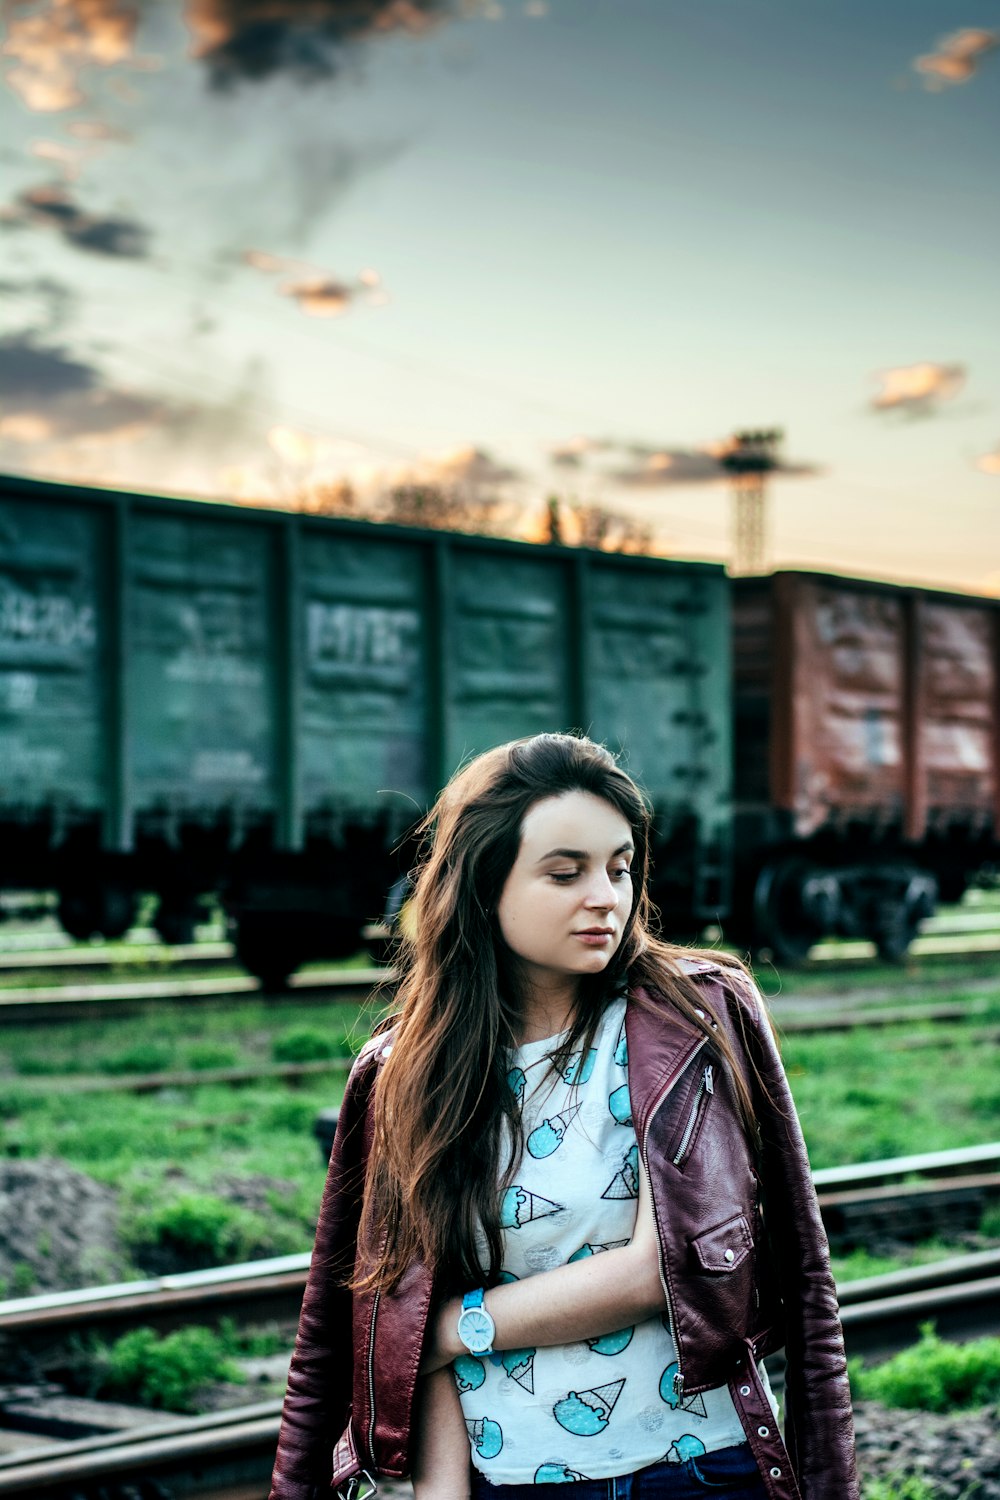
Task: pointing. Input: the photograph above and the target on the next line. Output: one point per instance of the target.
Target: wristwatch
(476, 1328)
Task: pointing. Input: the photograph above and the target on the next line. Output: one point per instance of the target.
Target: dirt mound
(958, 1455)
(58, 1228)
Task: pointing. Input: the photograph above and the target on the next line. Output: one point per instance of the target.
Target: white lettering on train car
(357, 635)
(226, 765)
(44, 619)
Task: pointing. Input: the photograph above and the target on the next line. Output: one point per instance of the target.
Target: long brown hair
(443, 1098)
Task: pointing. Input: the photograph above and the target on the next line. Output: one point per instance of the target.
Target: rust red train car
(867, 760)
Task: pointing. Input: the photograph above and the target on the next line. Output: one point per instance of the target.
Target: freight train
(204, 700)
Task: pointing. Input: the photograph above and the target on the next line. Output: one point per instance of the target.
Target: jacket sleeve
(318, 1396)
(819, 1429)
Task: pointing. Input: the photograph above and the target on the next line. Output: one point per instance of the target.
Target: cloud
(97, 130)
(317, 293)
(571, 454)
(643, 466)
(51, 207)
(54, 42)
(249, 40)
(47, 395)
(45, 304)
(652, 468)
(957, 57)
(918, 389)
(62, 416)
(307, 449)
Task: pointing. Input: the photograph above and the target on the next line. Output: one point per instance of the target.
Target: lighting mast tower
(749, 457)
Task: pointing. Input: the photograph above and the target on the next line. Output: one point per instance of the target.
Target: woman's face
(566, 900)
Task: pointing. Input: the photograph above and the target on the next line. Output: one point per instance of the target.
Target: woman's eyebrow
(626, 848)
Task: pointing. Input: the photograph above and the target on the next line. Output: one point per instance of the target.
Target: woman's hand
(441, 1460)
(585, 1299)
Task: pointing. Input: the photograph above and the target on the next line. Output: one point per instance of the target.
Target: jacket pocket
(693, 1115)
(725, 1247)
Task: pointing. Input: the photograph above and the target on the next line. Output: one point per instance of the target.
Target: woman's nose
(602, 894)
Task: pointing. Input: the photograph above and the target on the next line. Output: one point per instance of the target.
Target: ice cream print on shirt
(520, 1366)
(586, 1413)
(520, 1207)
(557, 1474)
(485, 1436)
(550, 1134)
(625, 1183)
(605, 1405)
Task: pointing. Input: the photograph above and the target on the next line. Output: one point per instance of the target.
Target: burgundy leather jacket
(744, 1258)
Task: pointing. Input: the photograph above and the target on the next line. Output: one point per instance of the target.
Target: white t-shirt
(607, 1406)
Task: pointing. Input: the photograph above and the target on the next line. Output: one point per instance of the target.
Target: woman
(569, 1208)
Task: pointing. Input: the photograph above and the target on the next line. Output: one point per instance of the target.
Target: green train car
(199, 699)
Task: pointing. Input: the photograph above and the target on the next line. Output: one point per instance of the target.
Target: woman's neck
(546, 1008)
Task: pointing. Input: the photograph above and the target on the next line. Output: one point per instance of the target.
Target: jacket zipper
(371, 1380)
(705, 1087)
(678, 1382)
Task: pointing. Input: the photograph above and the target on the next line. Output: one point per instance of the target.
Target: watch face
(476, 1329)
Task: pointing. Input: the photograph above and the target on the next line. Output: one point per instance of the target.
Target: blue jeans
(726, 1472)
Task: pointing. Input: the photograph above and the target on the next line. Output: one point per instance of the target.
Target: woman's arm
(581, 1300)
(441, 1453)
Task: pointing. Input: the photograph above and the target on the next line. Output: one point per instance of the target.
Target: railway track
(958, 933)
(880, 1194)
(69, 1002)
(228, 1455)
(44, 1004)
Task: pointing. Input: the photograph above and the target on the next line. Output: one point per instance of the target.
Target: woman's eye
(619, 874)
(563, 877)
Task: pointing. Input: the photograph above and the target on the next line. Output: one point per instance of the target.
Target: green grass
(933, 1375)
(860, 1264)
(899, 1487)
(859, 1098)
(168, 1037)
(170, 1372)
(166, 1372)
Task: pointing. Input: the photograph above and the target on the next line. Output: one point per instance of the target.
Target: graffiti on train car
(360, 636)
(217, 640)
(44, 618)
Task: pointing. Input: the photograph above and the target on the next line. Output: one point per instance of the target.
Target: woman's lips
(595, 938)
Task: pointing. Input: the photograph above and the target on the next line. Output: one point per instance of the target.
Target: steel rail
(85, 1002)
(74, 1002)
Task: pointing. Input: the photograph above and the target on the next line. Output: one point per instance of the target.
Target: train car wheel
(780, 924)
(264, 951)
(893, 939)
(104, 910)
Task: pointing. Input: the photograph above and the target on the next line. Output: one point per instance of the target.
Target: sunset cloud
(957, 57)
(53, 42)
(918, 389)
(317, 293)
(46, 395)
(302, 449)
(249, 40)
(97, 130)
(51, 207)
(571, 454)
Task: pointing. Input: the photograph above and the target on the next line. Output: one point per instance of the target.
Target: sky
(251, 247)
